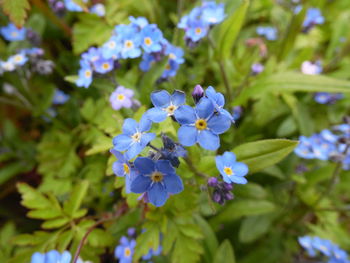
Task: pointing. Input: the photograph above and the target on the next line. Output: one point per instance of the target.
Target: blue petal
(122, 142)
(53, 256)
(160, 99)
(226, 113)
(164, 167)
(145, 165)
(238, 179)
(220, 163)
(178, 98)
(219, 123)
(118, 154)
(173, 183)
(146, 138)
(187, 135)
(185, 115)
(229, 158)
(140, 184)
(220, 99)
(208, 140)
(156, 115)
(129, 179)
(145, 124)
(134, 150)
(157, 194)
(240, 169)
(66, 257)
(204, 108)
(38, 258)
(129, 126)
(118, 168)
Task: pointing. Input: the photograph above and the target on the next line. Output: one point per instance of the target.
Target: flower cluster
(53, 256)
(154, 176)
(315, 246)
(125, 250)
(199, 21)
(270, 33)
(139, 38)
(327, 145)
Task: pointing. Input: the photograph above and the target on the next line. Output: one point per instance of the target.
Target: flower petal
(156, 115)
(204, 108)
(173, 183)
(178, 98)
(164, 167)
(129, 179)
(219, 123)
(66, 257)
(146, 138)
(238, 179)
(145, 124)
(160, 98)
(185, 115)
(140, 184)
(134, 150)
(129, 126)
(220, 163)
(122, 142)
(144, 165)
(118, 154)
(187, 135)
(118, 168)
(240, 169)
(157, 194)
(208, 140)
(38, 258)
(229, 158)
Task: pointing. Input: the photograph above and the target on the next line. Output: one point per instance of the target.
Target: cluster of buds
(221, 192)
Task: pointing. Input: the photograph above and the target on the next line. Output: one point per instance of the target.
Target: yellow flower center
(129, 44)
(198, 30)
(148, 41)
(127, 252)
(105, 66)
(167, 66)
(170, 109)
(172, 56)
(228, 171)
(88, 73)
(120, 97)
(18, 58)
(157, 177)
(14, 34)
(201, 124)
(126, 168)
(136, 137)
(111, 44)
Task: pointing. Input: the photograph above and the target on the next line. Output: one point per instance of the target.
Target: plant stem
(193, 168)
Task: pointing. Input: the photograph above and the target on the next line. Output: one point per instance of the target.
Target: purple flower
(121, 98)
(257, 68)
(310, 68)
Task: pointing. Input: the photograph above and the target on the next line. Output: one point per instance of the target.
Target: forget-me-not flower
(60, 97)
(98, 9)
(121, 98)
(151, 38)
(85, 75)
(125, 250)
(52, 256)
(218, 101)
(313, 17)
(231, 170)
(130, 41)
(270, 33)
(12, 33)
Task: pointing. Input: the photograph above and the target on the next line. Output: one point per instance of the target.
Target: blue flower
(218, 101)
(8, 65)
(111, 49)
(85, 76)
(152, 253)
(270, 33)
(327, 98)
(147, 61)
(125, 250)
(19, 59)
(60, 97)
(134, 138)
(157, 179)
(213, 13)
(201, 125)
(313, 17)
(140, 22)
(307, 243)
(52, 256)
(231, 170)
(151, 38)
(92, 55)
(98, 9)
(129, 41)
(122, 168)
(103, 65)
(72, 6)
(175, 53)
(197, 29)
(165, 104)
(12, 33)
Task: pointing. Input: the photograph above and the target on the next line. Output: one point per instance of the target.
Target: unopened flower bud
(197, 93)
(213, 181)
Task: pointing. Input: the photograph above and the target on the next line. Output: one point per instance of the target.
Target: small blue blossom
(327, 98)
(121, 98)
(231, 170)
(213, 13)
(157, 178)
(218, 101)
(8, 65)
(98, 9)
(165, 105)
(72, 6)
(103, 66)
(172, 151)
(92, 55)
(152, 253)
(270, 33)
(125, 250)
(34, 51)
(197, 29)
(201, 125)
(313, 17)
(147, 61)
(52, 256)
(12, 33)
(307, 243)
(60, 97)
(151, 38)
(19, 59)
(85, 75)
(140, 22)
(134, 138)
(310, 68)
(130, 41)
(257, 68)
(111, 49)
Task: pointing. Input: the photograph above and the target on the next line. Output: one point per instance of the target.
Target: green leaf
(16, 10)
(55, 223)
(262, 154)
(292, 82)
(244, 207)
(229, 30)
(78, 194)
(12, 169)
(225, 253)
(148, 239)
(90, 30)
(254, 227)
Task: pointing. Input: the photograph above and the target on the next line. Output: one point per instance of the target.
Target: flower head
(310, 68)
(165, 104)
(130, 41)
(231, 170)
(85, 76)
(103, 66)
(270, 33)
(157, 178)
(307, 243)
(125, 250)
(313, 17)
(327, 98)
(52, 256)
(121, 98)
(201, 125)
(218, 101)
(60, 97)
(111, 49)
(12, 33)
(151, 38)
(134, 138)
(98, 9)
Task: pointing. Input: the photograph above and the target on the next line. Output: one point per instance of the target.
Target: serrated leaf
(225, 253)
(262, 154)
(31, 198)
(76, 198)
(16, 10)
(147, 240)
(55, 223)
(44, 214)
